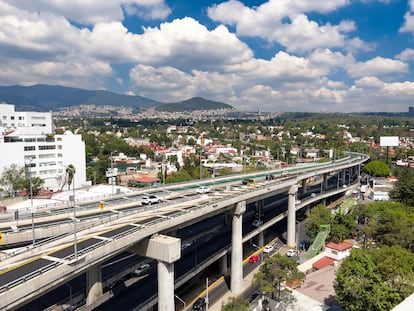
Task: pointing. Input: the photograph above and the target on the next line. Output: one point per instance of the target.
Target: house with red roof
(333, 252)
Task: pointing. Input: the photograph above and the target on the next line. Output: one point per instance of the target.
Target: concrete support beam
(291, 241)
(303, 186)
(93, 284)
(166, 250)
(236, 281)
(165, 286)
(261, 239)
(325, 180)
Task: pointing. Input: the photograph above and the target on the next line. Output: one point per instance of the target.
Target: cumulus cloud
(286, 23)
(89, 12)
(377, 66)
(408, 25)
(406, 55)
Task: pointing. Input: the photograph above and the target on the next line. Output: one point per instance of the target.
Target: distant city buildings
(411, 111)
(27, 139)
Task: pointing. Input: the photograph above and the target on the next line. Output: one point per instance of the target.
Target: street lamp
(31, 199)
(112, 172)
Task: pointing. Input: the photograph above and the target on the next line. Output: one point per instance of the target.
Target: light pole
(112, 172)
(31, 199)
(70, 171)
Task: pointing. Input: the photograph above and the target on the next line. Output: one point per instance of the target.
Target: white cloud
(377, 66)
(90, 12)
(406, 55)
(285, 22)
(408, 25)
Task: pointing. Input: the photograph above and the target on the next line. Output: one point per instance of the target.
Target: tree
(11, 178)
(70, 173)
(319, 215)
(377, 168)
(403, 190)
(274, 272)
(236, 303)
(37, 184)
(178, 177)
(375, 279)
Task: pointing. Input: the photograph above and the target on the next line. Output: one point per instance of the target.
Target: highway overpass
(32, 273)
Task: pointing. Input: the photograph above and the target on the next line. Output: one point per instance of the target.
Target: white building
(27, 138)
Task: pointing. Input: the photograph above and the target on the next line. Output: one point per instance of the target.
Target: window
(29, 148)
(21, 118)
(12, 118)
(47, 147)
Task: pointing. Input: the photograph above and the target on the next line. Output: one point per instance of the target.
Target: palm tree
(70, 173)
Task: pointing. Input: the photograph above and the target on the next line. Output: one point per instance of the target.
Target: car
(200, 304)
(203, 189)
(248, 182)
(268, 249)
(292, 253)
(150, 199)
(254, 258)
(257, 223)
(270, 177)
(141, 269)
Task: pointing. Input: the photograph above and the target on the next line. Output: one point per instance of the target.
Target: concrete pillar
(291, 241)
(343, 176)
(236, 280)
(261, 240)
(165, 286)
(93, 284)
(325, 181)
(166, 250)
(303, 186)
(223, 265)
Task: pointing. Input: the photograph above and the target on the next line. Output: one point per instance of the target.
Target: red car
(253, 258)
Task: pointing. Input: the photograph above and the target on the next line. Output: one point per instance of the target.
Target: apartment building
(27, 139)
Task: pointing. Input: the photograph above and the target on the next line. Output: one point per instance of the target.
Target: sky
(272, 56)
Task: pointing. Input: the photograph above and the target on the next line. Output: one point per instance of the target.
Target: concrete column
(165, 286)
(291, 241)
(236, 280)
(261, 239)
(93, 284)
(343, 176)
(223, 265)
(166, 250)
(325, 180)
(303, 186)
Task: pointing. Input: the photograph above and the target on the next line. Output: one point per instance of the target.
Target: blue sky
(275, 55)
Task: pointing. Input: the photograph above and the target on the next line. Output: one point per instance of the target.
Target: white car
(268, 249)
(150, 199)
(291, 252)
(141, 269)
(203, 189)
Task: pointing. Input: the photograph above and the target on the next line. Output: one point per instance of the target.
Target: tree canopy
(12, 178)
(403, 190)
(375, 279)
(377, 168)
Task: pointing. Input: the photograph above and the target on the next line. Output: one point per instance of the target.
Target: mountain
(194, 103)
(53, 97)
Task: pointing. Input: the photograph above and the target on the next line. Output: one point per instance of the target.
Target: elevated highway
(47, 266)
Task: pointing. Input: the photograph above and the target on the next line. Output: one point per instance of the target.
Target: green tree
(70, 174)
(178, 177)
(377, 168)
(375, 279)
(403, 190)
(37, 184)
(236, 304)
(274, 271)
(319, 215)
(12, 178)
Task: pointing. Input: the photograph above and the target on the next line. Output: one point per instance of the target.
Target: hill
(194, 103)
(53, 97)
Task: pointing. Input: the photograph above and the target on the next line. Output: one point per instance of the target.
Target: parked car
(292, 253)
(203, 189)
(257, 223)
(200, 304)
(254, 258)
(142, 269)
(150, 199)
(268, 249)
